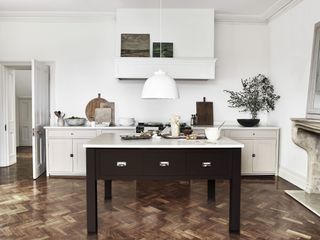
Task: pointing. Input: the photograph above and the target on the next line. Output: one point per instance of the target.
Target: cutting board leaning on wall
(97, 103)
(205, 113)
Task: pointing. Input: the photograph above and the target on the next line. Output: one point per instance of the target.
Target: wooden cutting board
(99, 102)
(205, 113)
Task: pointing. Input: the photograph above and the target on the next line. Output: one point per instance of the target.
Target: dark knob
(71, 155)
(253, 155)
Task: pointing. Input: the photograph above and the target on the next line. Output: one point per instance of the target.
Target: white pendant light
(160, 85)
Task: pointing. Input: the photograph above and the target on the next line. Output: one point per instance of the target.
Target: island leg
(92, 219)
(107, 189)
(212, 189)
(235, 189)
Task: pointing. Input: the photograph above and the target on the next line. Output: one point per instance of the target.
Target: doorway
(25, 90)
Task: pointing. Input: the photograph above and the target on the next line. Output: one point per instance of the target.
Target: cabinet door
(265, 156)
(79, 155)
(246, 156)
(60, 160)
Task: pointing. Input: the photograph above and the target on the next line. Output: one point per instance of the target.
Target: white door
(12, 117)
(79, 156)
(60, 156)
(40, 115)
(246, 156)
(25, 121)
(4, 157)
(265, 156)
(7, 117)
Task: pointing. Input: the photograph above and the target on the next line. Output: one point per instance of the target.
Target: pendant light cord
(160, 18)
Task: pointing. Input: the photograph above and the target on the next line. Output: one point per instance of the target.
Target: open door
(40, 115)
(12, 117)
(7, 117)
(4, 151)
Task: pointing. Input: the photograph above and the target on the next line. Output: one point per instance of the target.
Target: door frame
(27, 65)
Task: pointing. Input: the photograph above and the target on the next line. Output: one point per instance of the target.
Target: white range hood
(190, 30)
(177, 68)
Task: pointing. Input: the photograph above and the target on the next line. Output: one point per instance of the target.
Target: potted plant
(257, 95)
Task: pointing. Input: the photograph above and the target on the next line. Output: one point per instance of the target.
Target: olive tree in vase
(257, 95)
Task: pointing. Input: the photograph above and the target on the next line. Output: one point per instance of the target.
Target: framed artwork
(313, 106)
(166, 49)
(135, 45)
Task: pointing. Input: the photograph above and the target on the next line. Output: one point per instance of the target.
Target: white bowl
(212, 134)
(75, 121)
(126, 121)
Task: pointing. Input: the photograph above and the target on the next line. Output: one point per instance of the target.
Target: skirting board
(293, 177)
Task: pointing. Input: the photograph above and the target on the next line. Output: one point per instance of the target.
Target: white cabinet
(79, 156)
(264, 159)
(65, 153)
(246, 166)
(60, 151)
(260, 152)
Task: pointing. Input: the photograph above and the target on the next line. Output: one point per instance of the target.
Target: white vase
(175, 130)
(175, 125)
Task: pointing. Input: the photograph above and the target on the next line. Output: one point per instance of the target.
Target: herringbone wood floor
(56, 209)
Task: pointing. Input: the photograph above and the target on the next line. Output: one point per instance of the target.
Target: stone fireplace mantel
(306, 134)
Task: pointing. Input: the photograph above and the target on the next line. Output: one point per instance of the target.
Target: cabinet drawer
(251, 133)
(72, 133)
(116, 163)
(164, 163)
(211, 163)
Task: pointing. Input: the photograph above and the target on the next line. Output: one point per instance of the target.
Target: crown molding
(49, 16)
(236, 18)
(278, 8)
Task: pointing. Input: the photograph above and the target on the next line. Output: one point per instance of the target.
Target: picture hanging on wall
(166, 49)
(135, 45)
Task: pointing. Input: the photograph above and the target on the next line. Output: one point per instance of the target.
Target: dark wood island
(110, 158)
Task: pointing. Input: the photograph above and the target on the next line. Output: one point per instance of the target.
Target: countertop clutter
(112, 140)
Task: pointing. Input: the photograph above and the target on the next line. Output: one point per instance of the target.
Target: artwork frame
(166, 49)
(135, 45)
(313, 105)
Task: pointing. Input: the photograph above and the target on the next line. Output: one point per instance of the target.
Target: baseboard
(293, 177)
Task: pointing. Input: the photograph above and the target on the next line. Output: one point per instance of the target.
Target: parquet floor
(56, 209)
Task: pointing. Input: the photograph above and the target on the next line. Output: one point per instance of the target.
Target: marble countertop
(225, 127)
(113, 140)
(91, 128)
(235, 126)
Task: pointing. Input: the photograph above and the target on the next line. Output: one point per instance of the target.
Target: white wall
(291, 36)
(83, 54)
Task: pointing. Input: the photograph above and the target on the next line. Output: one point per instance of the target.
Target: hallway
(22, 170)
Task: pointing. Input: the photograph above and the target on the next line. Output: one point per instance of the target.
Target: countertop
(236, 126)
(91, 128)
(226, 127)
(113, 140)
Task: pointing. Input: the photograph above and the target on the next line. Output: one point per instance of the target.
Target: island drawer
(115, 163)
(210, 163)
(166, 163)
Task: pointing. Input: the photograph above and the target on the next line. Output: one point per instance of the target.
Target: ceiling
(240, 7)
